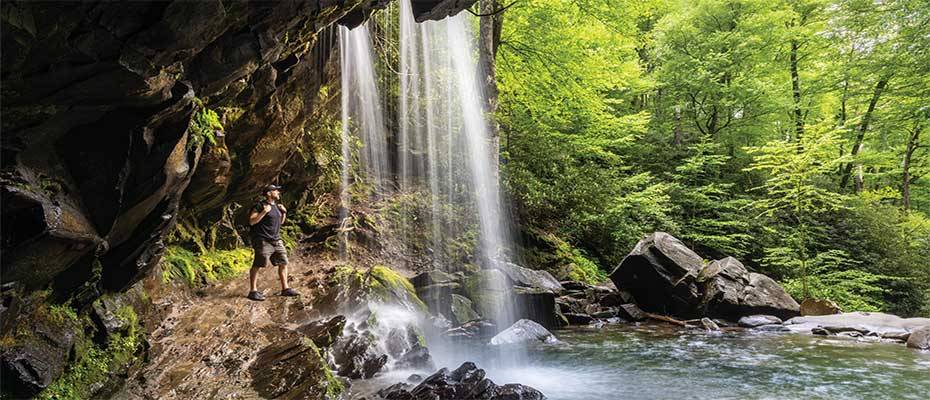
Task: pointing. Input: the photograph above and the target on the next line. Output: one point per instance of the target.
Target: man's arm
(283, 213)
(257, 214)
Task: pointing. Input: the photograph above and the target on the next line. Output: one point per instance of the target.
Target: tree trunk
(863, 127)
(796, 93)
(913, 143)
(489, 35)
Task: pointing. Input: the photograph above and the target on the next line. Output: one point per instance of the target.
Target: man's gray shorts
(266, 251)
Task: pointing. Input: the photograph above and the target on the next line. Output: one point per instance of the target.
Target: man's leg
(282, 275)
(262, 250)
(253, 278)
(279, 258)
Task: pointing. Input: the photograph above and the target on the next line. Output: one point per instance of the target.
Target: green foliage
(834, 277)
(180, 264)
(203, 126)
(560, 258)
(622, 118)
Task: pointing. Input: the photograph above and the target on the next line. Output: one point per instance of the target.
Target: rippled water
(653, 362)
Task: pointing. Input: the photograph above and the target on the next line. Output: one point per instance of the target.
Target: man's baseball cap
(269, 188)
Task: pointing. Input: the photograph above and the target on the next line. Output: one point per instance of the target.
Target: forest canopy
(789, 134)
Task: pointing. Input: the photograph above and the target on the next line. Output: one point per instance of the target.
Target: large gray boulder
(526, 277)
(661, 273)
(664, 276)
(764, 296)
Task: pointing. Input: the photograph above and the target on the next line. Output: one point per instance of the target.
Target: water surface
(656, 362)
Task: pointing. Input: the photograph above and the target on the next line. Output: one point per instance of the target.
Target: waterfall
(442, 151)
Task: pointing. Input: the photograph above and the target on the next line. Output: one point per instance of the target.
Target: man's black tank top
(269, 227)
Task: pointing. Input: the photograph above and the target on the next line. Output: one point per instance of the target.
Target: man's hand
(256, 216)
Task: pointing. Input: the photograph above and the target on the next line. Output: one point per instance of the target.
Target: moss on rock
(180, 264)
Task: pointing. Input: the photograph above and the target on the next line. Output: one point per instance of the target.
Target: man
(265, 220)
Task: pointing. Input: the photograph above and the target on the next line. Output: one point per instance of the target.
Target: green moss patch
(180, 264)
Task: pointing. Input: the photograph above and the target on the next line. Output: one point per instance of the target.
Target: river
(663, 362)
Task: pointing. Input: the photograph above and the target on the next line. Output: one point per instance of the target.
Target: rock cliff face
(100, 153)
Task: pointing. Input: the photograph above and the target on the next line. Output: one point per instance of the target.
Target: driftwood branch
(663, 318)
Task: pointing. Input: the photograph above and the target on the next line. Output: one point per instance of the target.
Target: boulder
(293, 369)
(724, 282)
(538, 305)
(523, 331)
(632, 312)
(812, 306)
(476, 329)
(489, 291)
(578, 319)
(37, 344)
(357, 356)
(417, 357)
(764, 296)
(467, 382)
(526, 277)
(323, 333)
(570, 304)
(575, 285)
(666, 277)
(614, 299)
(438, 297)
(433, 277)
(919, 338)
(462, 310)
(752, 321)
(709, 325)
(661, 273)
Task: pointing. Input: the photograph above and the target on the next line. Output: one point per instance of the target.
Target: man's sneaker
(290, 292)
(257, 296)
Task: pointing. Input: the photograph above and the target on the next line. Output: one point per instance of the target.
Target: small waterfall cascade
(437, 158)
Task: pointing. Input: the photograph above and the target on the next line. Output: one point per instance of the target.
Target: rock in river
(753, 321)
(467, 382)
(919, 338)
(867, 323)
(523, 331)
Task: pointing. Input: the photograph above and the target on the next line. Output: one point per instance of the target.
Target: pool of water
(659, 362)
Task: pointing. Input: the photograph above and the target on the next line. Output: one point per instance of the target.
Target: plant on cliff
(203, 126)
